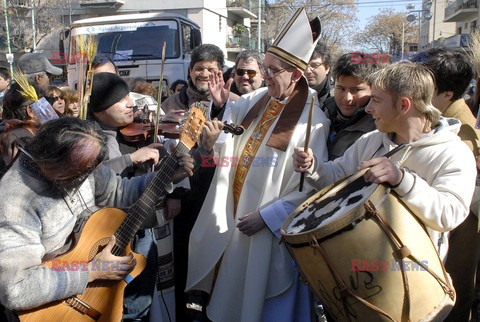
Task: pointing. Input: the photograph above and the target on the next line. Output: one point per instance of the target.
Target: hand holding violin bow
(148, 153)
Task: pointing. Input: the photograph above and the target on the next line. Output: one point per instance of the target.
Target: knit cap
(107, 89)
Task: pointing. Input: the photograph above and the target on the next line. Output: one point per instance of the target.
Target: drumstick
(392, 152)
(307, 139)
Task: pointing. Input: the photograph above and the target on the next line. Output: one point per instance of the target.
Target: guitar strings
(89, 296)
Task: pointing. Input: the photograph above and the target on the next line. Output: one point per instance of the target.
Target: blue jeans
(138, 294)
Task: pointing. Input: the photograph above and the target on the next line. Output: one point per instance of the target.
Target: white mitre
(297, 39)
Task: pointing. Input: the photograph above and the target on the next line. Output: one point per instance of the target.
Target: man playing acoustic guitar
(55, 184)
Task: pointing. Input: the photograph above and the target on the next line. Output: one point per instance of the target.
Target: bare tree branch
(20, 22)
(383, 33)
(338, 18)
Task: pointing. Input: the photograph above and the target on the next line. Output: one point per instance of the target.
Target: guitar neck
(145, 206)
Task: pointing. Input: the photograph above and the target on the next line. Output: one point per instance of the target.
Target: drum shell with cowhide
(364, 263)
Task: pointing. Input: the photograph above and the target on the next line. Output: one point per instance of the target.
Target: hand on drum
(251, 223)
(382, 170)
(301, 160)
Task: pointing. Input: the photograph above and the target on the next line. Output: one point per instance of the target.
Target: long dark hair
(15, 105)
(67, 149)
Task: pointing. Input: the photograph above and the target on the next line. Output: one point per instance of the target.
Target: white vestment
(259, 267)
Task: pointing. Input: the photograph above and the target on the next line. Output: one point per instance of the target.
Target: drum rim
(333, 227)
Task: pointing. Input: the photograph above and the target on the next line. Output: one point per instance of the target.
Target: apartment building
(465, 15)
(434, 29)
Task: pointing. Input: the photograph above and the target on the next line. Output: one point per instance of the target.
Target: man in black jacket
(206, 59)
(346, 110)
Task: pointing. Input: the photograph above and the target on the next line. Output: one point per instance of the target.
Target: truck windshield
(136, 41)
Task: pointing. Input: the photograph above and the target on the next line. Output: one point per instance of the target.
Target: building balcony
(242, 8)
(238, 43)
(19, 4)
(19, 7)
(101, 3)
(461, 10)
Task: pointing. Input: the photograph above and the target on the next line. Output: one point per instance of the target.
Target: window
(140, 42)
(187, 38)
(459, 30)
(473, 26)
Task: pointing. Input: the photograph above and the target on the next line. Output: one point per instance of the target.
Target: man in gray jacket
(56, 182)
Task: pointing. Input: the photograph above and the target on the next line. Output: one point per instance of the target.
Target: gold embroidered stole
(251, 147)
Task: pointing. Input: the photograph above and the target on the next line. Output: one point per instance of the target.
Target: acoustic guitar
(102, 300)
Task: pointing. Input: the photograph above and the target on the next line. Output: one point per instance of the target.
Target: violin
(232, 128)
(169, 127)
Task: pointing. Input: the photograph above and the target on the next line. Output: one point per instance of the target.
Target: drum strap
(344, 290)
(402, 251)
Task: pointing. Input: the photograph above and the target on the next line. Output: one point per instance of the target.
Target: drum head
(332, 208)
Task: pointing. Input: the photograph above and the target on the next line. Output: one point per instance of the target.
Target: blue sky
(368, 8)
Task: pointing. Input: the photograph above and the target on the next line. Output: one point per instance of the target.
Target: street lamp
(426, 15)
(9, 55)
(34, 34)
(403, 38)
(434, 16)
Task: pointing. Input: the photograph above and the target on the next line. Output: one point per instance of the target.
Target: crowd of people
(230, 196)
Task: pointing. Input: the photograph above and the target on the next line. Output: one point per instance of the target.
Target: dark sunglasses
(250, 72)
(53, 99)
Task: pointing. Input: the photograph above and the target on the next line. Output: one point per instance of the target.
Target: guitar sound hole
(98, 247)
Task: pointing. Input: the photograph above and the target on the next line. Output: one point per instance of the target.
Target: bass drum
(366, 256)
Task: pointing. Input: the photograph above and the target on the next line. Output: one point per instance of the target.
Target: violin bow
(307, 140)
(160, 89)
(159, 97)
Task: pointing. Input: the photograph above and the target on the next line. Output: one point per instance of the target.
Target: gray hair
(31, 77)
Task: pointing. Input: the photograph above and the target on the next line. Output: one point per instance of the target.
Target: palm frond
(28, 91)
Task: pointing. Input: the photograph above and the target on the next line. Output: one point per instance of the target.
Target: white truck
(134, 42)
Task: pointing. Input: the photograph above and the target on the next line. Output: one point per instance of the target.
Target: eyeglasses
(314, 66)
(56, 98)
(269, 72)
(250, 72)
